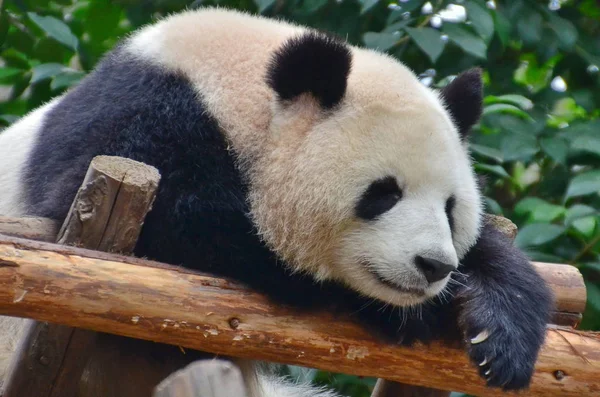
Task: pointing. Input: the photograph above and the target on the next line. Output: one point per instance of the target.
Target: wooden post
(107, 215)
(174, 305)
(207, 378)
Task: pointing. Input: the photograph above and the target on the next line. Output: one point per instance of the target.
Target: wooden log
(107, 215)
(385, 388)
(565, 281)
(214, 378)
(40, 229)
(168, 304)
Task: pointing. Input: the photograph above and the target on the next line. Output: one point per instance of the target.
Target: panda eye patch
(450, 203)
(380, 197)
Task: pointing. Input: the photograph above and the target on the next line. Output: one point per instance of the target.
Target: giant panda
(316, 172)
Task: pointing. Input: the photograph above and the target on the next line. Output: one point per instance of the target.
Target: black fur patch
(450, 203)
(509, 299)
(312, 63)
(464, 99)
(379, 197)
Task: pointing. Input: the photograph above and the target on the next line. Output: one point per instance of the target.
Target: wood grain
(33, 228)
(172, 305)
(107, 214)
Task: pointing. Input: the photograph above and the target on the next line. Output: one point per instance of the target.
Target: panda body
(316, 172)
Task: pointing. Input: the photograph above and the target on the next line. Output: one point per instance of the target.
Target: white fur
(15, 147)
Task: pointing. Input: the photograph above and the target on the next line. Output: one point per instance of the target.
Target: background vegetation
(538, 142)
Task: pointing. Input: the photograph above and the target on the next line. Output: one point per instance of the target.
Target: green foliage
(538, 142)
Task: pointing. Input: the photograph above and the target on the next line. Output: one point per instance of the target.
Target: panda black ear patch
(464, 99)
(312, 63)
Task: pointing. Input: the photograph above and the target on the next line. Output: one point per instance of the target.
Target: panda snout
(432, 269)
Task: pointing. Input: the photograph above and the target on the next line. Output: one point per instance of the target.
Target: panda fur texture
(319, 173)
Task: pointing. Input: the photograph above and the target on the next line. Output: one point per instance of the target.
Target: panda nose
(432, 269)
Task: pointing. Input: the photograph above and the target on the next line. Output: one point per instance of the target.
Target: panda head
(367, 178)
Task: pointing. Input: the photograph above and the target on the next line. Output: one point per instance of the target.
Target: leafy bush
(538, 143)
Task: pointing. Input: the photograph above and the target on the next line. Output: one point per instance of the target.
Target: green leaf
(537, 234)
(556, 148)
(505, 108)
(529, 26)
(512, 99)
(429, 41)
(587, 144)
(401, 25)
(539, 210)
(503, 27)
(586, 225)
(488, 152)
(367, 5)
(584, 184)
(381, 41)
(66, 80)
(466, 40)
(593, 295)
(481, 19)
(494, 169)
(46, 70)
(48, 50)
(565, 31)
(578, 211)
(102, 19)
(594, 266)
(311, 6)
(56, 29)
(492, 206)
(518, 147)
(8, 118)
(8, 75)
(4, 25)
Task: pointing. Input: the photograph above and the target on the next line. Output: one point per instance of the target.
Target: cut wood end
(502, 224)
(137, 173)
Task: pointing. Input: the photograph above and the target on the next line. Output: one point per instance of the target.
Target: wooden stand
(106, 215)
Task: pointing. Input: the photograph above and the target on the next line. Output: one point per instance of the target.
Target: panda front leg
(503, 310)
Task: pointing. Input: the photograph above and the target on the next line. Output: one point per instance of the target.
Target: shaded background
(538, 142)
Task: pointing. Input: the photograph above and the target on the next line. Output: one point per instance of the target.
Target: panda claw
(486, 373)
(481, 337)
(484, 362)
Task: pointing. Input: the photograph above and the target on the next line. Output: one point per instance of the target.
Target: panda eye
(450, 203)
(380, 197)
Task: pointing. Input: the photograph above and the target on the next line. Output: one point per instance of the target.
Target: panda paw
(504, 335)
(501, 360)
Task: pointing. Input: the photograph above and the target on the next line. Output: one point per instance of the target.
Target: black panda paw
(504, 333)
(504, 359)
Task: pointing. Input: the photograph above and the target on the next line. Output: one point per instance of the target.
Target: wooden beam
(173, 305)
(566, 282)
(107, 215)
(32, 228)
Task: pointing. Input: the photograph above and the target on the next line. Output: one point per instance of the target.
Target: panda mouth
(394, 285)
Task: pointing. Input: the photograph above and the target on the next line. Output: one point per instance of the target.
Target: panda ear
(464, 100)
(311, 63)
